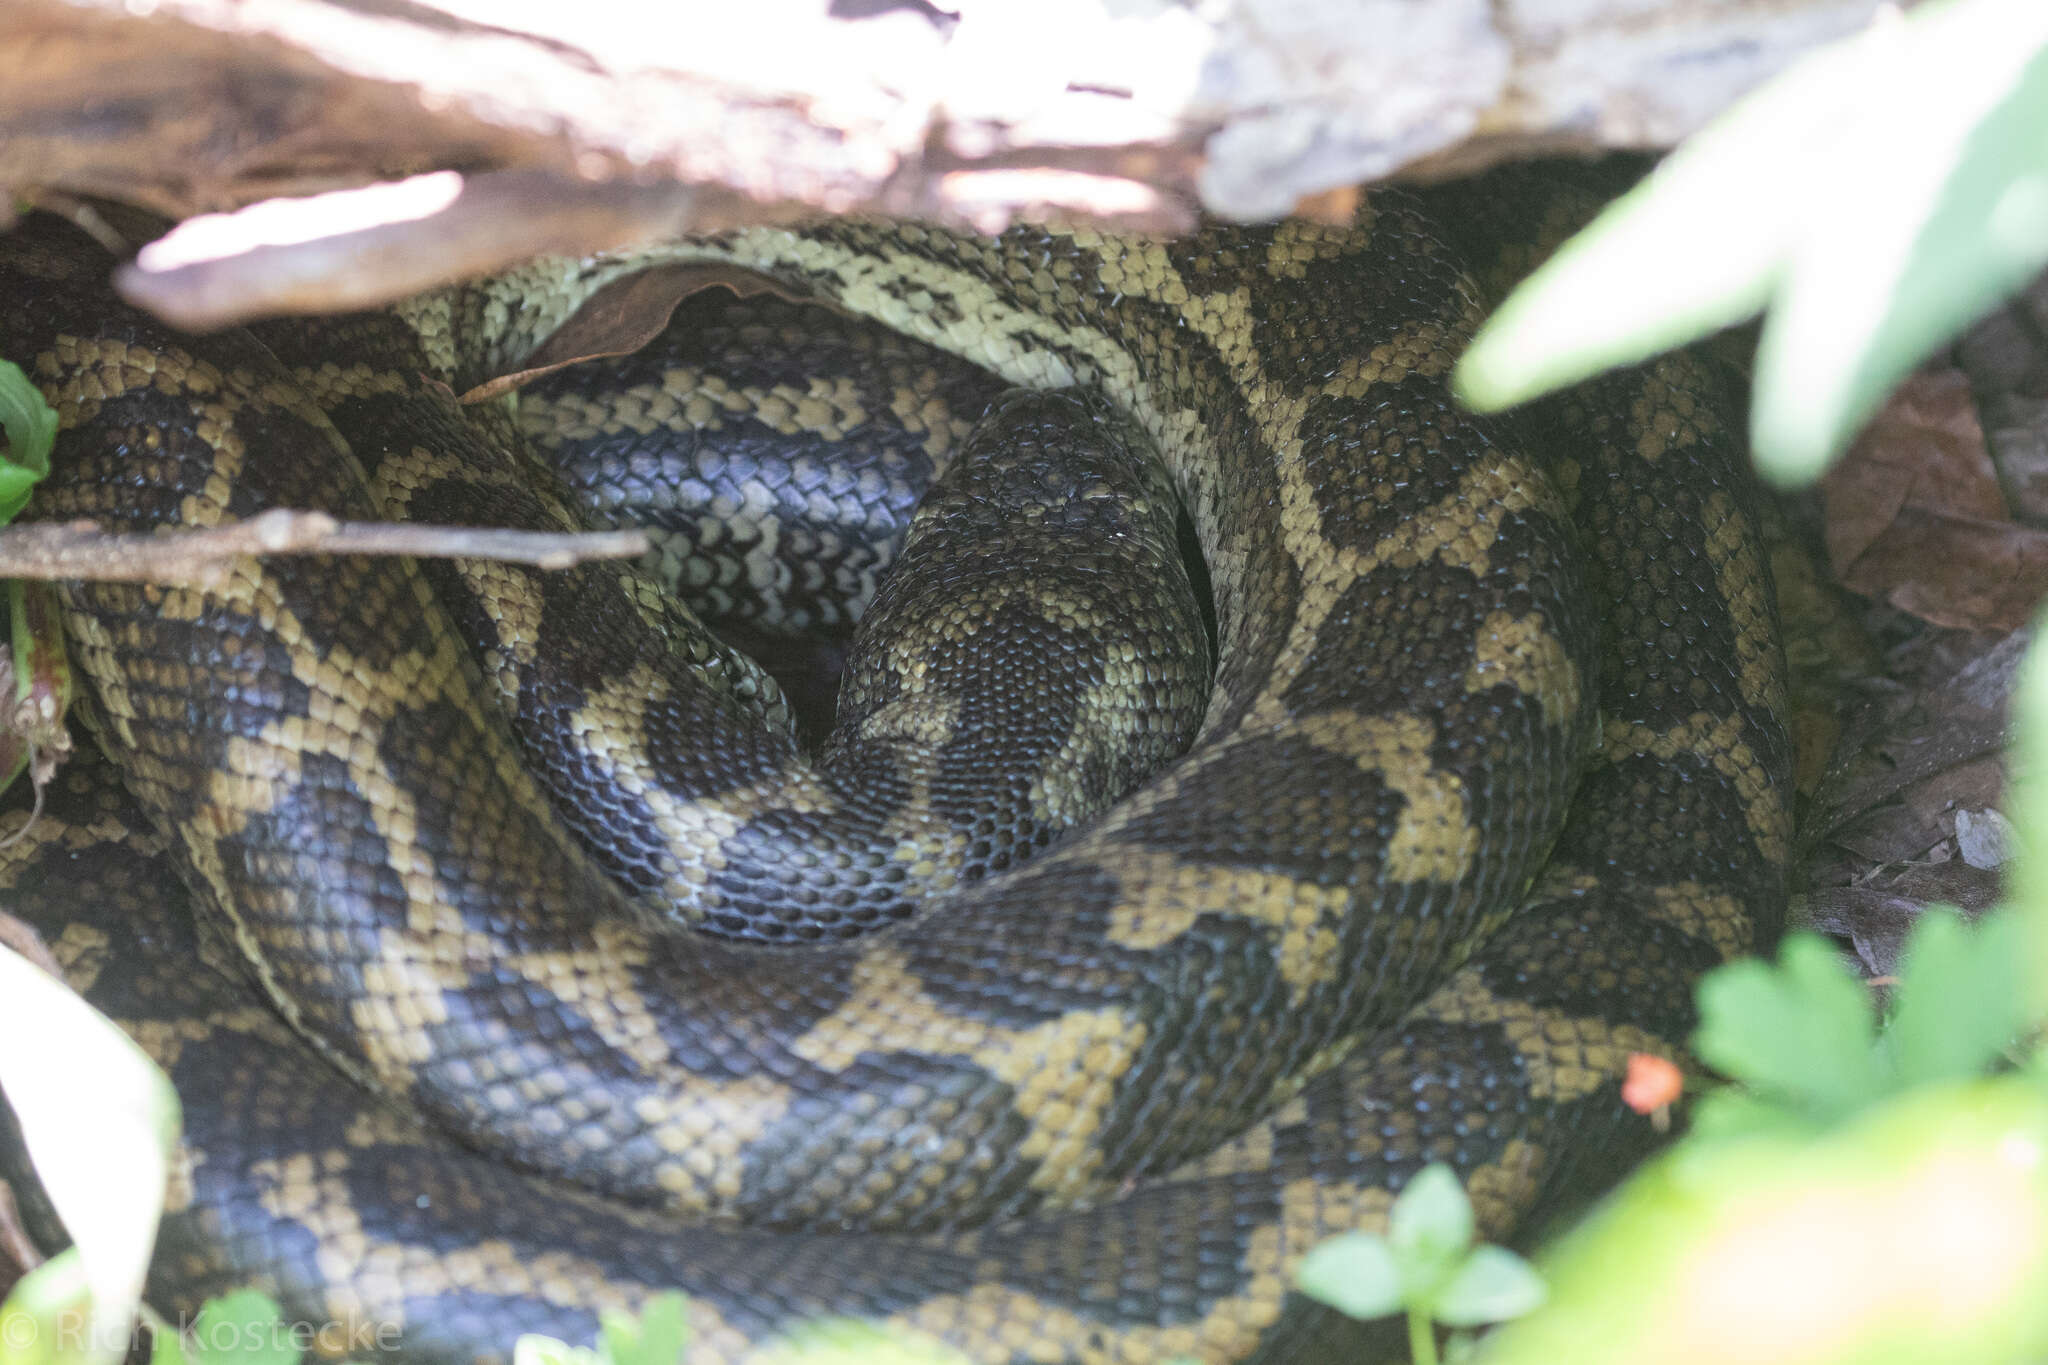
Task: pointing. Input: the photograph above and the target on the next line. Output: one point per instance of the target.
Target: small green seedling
(37, 679)
(30, 430)
(1426, 1265)
(242, 1328)
(1801, 1038)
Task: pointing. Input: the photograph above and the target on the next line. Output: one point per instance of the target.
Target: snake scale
(1491, 766)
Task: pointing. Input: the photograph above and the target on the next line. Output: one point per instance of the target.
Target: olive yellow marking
(1063, 1072)
(910, 730)
(81, 951)
(1525, 653)
(1567, 1056)
(1504, 1188)
(1460, 531)
(614, 725)
(398, 482)
(1666, 412)
(920, 410)
(1711, 916)
(827, 406)
(330, 383)
(402, 998)
(706, 1135)
(1719, 740)
(1424, 348)
(1298, 242)
(23, 840)
(1434, 839)
(80, 374)
(923, 719)
(1161, 895)
(548, 420)
(688, 397)
(1714, 916)
(1310, 1212)
(1112, 718)
(165, 1040)
(1744, 587)
(370, 1280)
(431, 317)
(518, 610)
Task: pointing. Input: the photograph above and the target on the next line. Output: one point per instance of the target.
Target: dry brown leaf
(1915, 515)
(1878, 916)
(1924, 449)
(624, 316)
(1958, 572)
(1917, 756)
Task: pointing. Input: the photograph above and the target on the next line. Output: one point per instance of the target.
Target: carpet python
(1488, 768)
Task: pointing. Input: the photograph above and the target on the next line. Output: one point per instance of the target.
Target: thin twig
(15, 1243)
(81, 549)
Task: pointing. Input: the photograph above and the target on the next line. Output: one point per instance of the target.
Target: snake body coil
(1491, 768)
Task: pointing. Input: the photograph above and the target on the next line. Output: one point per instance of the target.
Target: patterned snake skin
(1489, 769)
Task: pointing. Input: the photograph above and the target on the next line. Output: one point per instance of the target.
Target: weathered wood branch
(609, 121)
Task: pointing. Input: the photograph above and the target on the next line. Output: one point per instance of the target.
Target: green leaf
(1493, 1285)
(167, 1347)
(243, 1328)
(1877, 196)
(843, 1341)
(30, 427)
(45, 1319)
(102, 1150)
(1429, 1228)
(1695, 247)
(1729, 1112)
(535, 1349)
(1962, 997)
(1916, 1232)
(1932, 212)
(1800, 1032)
(1354, 1274)
(656, 1337)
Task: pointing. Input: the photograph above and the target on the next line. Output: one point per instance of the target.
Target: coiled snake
(1490, 769)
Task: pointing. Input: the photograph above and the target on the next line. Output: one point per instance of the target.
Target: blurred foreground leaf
(1876, 197)
(1919, 1232)
(102, 1149)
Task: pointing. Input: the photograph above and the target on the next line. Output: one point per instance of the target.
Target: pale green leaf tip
(1353, 1273)
(1485, 381)
(1494, 1285)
